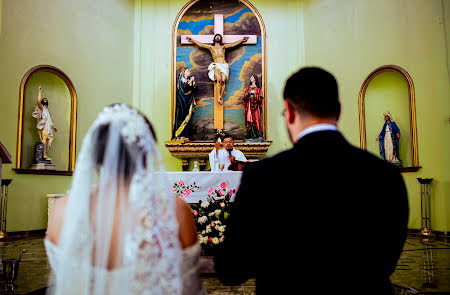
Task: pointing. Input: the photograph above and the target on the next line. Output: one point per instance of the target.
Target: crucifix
(218, 70)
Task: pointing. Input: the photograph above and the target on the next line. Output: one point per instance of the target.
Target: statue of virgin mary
(388, 140)
(184, 105)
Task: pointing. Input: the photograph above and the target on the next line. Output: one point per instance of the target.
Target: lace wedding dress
(190, 270)
(120, 231)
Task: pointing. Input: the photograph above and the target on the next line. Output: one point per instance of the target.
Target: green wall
(352, 38)
(92, 42)
(120, 51)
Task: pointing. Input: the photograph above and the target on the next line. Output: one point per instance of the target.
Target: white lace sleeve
(52, 254)
(190, 269)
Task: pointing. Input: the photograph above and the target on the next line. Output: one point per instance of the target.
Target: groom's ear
(290, 112)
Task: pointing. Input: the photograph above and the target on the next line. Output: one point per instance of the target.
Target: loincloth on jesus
(224, 68)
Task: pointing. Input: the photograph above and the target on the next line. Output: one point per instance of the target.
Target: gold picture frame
(73, 122)
(412, 112)
(173, 77)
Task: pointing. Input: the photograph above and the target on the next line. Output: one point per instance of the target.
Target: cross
(226, 39)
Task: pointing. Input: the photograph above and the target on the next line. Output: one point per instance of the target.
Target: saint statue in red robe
(253, 102)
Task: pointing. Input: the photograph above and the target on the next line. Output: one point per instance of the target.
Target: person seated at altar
(226, 155)
(305, 219)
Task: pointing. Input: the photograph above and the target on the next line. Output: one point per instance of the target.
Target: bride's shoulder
(183, 210)
(55, 219)
(187, 229)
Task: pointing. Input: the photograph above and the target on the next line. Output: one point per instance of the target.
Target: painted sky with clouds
(238, 19)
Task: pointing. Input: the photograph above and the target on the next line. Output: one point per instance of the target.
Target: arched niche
(197, 18)
(391, 89)
(62, 98)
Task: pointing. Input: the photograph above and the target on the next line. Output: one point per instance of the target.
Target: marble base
(43, 166)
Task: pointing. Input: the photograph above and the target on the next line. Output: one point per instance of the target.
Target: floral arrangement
(219, 135)
(181, 190)
(211, 217)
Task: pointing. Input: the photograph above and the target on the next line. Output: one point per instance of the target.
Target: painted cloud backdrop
(243, 60)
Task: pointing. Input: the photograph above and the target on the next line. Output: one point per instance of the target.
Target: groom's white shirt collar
(316, 128)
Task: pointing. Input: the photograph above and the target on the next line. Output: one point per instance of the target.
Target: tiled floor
(34, 269)
(424, 268)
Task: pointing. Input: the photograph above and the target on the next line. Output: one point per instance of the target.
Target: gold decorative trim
(412, 108)
(174, 66)
(196, 149)
(73, 114)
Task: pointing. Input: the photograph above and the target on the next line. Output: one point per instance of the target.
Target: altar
(194, 186)
(190, 186)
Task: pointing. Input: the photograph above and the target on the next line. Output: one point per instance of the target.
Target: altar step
(207, 265)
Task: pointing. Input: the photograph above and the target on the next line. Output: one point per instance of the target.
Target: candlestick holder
(425, 207)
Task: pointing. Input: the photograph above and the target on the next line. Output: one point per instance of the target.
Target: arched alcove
(240, 17)
(389, 89)
(62, 100)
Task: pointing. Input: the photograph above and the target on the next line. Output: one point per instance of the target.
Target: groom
(323, 217)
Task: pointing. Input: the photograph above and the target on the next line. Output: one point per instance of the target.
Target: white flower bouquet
(211, 217)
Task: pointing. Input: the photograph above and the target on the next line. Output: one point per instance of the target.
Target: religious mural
(244, 59)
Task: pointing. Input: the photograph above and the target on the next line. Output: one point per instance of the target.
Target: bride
(120, 231)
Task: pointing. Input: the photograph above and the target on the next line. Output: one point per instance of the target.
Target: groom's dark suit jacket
(321, 218)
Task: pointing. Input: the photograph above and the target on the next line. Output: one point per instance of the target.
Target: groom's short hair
(313, 91)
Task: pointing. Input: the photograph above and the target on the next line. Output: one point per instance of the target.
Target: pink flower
(200, 187)
(187, 192)
(223, 185)
(195, 212)
(181, 182)
(211, 190)
(231, 191)
(220, 193)
(213, 224)
(222, 204)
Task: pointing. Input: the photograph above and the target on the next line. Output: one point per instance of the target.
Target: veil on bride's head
(120, 232)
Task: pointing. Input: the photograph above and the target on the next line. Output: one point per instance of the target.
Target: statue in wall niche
(45, 129)
(388, 140)
(184, 105)
(253, 105)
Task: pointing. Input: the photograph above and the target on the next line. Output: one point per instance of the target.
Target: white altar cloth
(206, 180)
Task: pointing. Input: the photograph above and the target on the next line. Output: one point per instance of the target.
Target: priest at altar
(226, 155)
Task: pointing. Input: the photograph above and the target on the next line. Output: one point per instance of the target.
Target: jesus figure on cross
(219, 69)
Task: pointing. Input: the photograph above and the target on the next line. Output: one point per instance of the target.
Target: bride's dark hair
(124, 154)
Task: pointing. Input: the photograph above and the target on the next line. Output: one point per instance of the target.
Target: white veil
(120, 233)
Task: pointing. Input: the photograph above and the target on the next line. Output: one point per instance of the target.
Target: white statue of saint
(44, 123)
